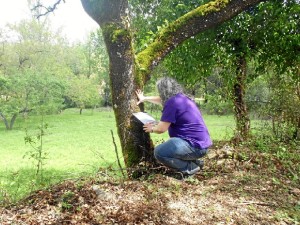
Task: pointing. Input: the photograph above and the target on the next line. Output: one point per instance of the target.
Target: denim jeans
(178, 154)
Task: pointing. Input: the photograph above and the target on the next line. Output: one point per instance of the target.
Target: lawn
(76, 145)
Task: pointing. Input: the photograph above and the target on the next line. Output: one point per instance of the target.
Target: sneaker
(182, 176)
(199, 163)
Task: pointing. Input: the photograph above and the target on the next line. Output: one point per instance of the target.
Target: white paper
(144, 117)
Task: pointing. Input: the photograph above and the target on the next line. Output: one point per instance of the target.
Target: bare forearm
(159, 128)
(153, 99)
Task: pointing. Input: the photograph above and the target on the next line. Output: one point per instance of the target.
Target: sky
(70, 16)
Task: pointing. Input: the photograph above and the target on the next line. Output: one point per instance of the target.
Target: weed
(37, 153)
(67, 201)
(192, 180)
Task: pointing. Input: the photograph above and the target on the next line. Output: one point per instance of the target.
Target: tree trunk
(297, 132)
(113, 20)
(12, 121)
(5, 121)
(10, 125)
(240, 108)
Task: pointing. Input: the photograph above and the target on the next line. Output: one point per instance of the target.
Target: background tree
(31, 76)
(279, 60)
(40, 70)
(99, 61)
(248, 39)
(85, 93)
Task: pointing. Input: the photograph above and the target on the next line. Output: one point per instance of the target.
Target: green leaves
(37, 68)
(84, 92)
(37, 153)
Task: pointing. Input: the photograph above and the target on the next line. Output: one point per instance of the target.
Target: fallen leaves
(221, 194)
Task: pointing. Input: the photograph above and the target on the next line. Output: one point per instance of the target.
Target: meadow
(76, 145)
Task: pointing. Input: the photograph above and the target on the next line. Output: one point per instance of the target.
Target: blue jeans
(178, 154)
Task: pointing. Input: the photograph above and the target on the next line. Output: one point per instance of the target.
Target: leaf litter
(232, 189)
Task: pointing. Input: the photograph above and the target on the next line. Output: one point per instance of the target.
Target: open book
(144, 117)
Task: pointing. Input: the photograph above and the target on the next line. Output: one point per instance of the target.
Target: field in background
(76, 144)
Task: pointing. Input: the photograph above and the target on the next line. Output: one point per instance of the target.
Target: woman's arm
(160, 128)
(152, 99)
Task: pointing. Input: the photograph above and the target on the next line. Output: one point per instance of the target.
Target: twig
(257, 203)
(100, 156)
(47, 9)
(116, 150)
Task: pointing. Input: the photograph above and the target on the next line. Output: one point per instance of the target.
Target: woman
(189, 137)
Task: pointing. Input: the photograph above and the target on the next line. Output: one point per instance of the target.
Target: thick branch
(200, 19)
(104, 11)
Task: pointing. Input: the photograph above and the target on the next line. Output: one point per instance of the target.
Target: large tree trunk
(113, 20)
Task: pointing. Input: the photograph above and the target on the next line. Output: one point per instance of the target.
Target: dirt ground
(232, 188)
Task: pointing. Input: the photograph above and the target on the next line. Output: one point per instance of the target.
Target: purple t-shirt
(186, 121)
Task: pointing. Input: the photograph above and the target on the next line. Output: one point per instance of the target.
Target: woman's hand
(148, 127)
(140, 96)
(159, 128)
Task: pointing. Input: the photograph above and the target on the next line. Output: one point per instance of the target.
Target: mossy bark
(240, 107)
(112, 18)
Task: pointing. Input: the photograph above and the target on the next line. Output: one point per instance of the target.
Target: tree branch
(200, 19)
(47, 10)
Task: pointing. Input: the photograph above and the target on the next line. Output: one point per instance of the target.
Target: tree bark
(240, 107)
(12, 121)
(112, 18)
(8, 125)
(5, 121)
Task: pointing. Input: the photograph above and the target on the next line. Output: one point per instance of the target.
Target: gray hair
(168, 87)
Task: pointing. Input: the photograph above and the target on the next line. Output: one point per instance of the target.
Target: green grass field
(76, 144)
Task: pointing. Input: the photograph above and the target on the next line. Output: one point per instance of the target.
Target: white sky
(75, 23)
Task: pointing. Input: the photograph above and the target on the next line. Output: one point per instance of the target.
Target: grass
(72, 140)
(76, 144)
